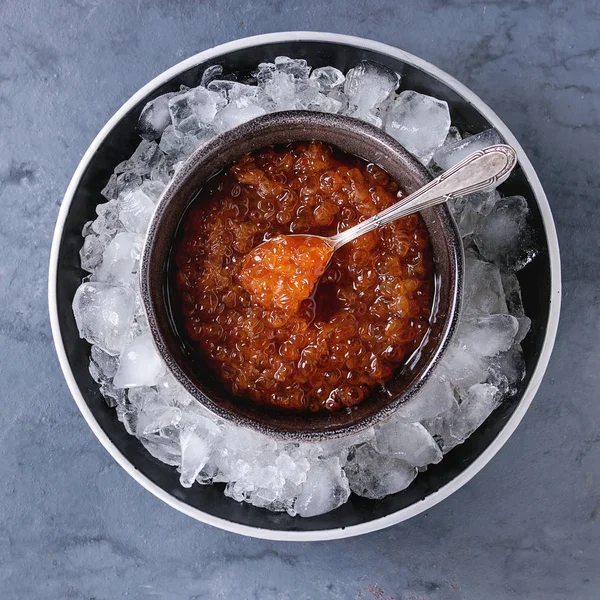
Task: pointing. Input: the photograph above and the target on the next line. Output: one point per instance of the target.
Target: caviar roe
(368, 313)
(283, 271)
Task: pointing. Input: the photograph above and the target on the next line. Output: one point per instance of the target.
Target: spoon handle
(480, 170)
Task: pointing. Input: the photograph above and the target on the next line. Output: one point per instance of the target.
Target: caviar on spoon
(283, 271)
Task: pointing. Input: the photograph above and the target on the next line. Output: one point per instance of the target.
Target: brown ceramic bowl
(351, 136)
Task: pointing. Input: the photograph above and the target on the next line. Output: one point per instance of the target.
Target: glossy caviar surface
(282, 272)
(368, 313)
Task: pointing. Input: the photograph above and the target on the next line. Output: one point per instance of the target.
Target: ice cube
(435, 398)
(194, 109)
(312, 451)
(309, 98)
(483, 291)
(410, 442)
(245, 441)
(105, 363)
(264, 73)
(155, 117)
(235, 91)
(110, 190)
(95, 372)
(262, 486)
(139, 325)
(153, 189)
(129, 181)
(153, 415)
(120, 184)
(178, 146)
(469, 210)
(87, 229)
(120, 259)
(162, 170)
(135, 211)
(173, 392)
(325, 489)
(139, 364)
(112, 396)
(487, 336)
(108, 218)
(196, 416)
(368, 86)
(296, 67)
(211, 73)
(327, 78)
(477, 339)
(281, 90)
(524, 327)
(197, 444)
(483, 202)
(122, 166)
(171, 142)
(222, 86)
(463, 367)
(338, 94)
(512, 292)
(419, 122)
(138, 397)
(340, 446)
(451, 154)
(165, 446)
(154, 418)
(477, 404)
(91, 252)
(514, 303)
(236, 113)
(234, 489)
(127, 414)
(258, 470)
(245, 470)
(142, 159)
(103, 313)
(292, 469)
(373, 475)
(268, 491)
(504, 236)
(466, 218)
(507, 370)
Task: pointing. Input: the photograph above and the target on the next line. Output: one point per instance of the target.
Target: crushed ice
(483, 366)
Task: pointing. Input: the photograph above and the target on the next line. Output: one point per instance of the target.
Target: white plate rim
(511, 424)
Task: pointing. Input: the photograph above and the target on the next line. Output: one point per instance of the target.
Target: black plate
(120, 144)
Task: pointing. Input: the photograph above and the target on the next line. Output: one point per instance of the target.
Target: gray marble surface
(73, 524)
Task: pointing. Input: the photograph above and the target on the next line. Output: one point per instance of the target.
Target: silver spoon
(479, 171)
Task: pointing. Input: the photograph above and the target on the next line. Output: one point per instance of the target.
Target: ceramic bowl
(354, 137)
(540, 284)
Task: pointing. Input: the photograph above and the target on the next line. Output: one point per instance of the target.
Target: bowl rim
(296, 122)
(536, 377)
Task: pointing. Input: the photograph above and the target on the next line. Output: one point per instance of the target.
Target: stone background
(73, 524)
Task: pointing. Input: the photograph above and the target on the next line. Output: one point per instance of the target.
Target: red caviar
(282, 272)
(368, 312)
